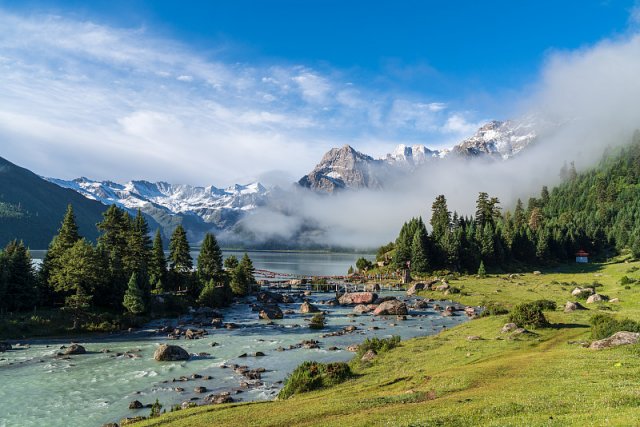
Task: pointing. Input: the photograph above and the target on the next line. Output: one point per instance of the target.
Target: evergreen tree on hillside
(116, 227)
(134, 296)
(247, 265)
(209, 264)
(17, 278)
(67, 236)
(180, 261)
(419, 252)
(79, 271)
(158, 264)
(440, 218)
(231, 262)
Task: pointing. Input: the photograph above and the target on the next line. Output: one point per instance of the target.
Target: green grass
(541, 379)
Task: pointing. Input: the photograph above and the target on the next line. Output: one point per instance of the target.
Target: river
(89, 390)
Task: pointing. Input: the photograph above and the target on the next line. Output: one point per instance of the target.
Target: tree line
(121, 271)
(597, 210)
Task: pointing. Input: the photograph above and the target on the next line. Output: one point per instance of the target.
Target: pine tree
(79, 271)
(113, 243)
(179, 251)
(419, 252)
(210, 260)
(134, 296)
(247, 265)
(158, 264)
(180, 261)
(239, 282)
(440, 218)
(481, 270)
(67, 236)
(350, 271)
(212, 295)
(19, 286)
(519, 217)
(231, 262)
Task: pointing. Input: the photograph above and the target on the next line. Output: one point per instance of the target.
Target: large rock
(307, 307)
(442, 287)
(75, 349)
(572, 306)
(595, 298)
(394, 307)
(357, 298)
(619, 338)
(271, 313)
(170, 353)
(267, 297)
(415, 288)
(364, 308)
(4, 346)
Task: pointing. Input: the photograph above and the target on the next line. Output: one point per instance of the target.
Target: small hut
(582, 257)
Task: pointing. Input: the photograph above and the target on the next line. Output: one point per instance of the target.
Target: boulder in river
(217, 399)
(4, 346)
(619, 338)
(271, 312)
(170, 353)
(415, 288)
(394, 307)
(357, 298)
(307, 307)
(364, 308)
(136, 404)
(75, 349)
(267, 297)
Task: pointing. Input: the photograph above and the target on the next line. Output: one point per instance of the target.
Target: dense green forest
(598, 211)
(121, 272)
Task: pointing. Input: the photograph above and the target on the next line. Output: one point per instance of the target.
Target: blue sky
(245, 87)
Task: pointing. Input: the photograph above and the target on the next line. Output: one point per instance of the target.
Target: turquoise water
(88, 390)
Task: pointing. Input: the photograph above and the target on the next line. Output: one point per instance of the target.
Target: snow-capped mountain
(499, 139)
(202, 208)
(346, 168)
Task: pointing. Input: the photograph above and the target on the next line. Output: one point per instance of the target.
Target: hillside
(31, 208)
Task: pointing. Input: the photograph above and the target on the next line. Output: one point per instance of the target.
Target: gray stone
(170, 353)
(619, 338)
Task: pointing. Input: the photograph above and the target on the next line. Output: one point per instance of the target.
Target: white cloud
(118, 97)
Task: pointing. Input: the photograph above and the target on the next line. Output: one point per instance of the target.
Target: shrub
(545, 304)
(626, 280)
(378, 345)
(317, 321)
(528, 314)
(314, 376)
(603, 326)
(494, 309)
(583, 295)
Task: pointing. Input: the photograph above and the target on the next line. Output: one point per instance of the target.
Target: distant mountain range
(345, 168)
(31, 207)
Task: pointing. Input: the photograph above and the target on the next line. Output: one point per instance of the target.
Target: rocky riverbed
(238, 354)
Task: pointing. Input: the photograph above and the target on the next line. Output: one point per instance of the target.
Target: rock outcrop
(617, 339)
(271, 312)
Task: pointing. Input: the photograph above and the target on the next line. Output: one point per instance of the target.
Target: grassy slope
(541, 379)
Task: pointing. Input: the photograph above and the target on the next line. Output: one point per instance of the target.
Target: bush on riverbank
(493, 308)
(378, 345)
(529, 314)
(603, 326)
(314, 376)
